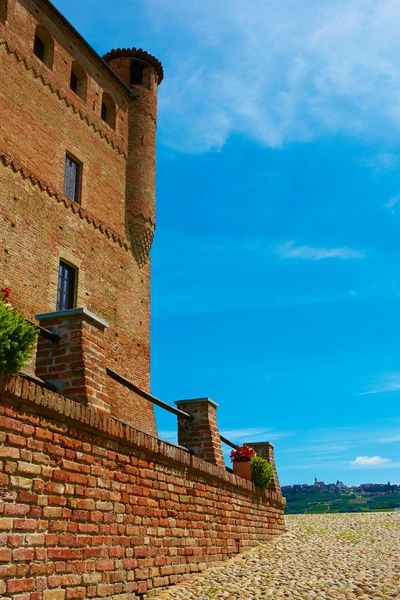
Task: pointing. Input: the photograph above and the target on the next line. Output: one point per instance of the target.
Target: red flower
(242, 454)
(5, 294)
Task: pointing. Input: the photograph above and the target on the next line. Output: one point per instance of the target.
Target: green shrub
(17, 340)
(261, 472)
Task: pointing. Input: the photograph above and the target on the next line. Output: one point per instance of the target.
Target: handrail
(134, 388)
(44, 384)
(45, 333)
(227, 442)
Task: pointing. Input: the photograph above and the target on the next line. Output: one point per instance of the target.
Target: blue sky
(276, 280)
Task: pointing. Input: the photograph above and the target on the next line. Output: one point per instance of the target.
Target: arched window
(43, 46)
(3, 11)
(78, 80)
(108, 111)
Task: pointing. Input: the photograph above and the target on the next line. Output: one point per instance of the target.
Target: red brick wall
(41, 119)
(91, 508)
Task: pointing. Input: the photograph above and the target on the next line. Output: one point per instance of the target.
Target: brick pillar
(77, 364)
(201, 435)
(266, 450)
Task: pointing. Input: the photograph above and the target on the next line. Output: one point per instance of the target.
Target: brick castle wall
(41, 120)
(94, 509)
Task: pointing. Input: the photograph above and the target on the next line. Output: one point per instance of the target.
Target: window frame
(69, 276)
(43, 36)
(74, 195)
(108, 109)
(78, 78)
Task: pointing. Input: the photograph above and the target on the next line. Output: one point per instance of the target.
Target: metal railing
(176, 411)
(228, 442)
(45, 333)
(134, 388)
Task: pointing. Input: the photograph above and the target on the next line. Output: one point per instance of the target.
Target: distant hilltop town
(321, 497)
(364, 488)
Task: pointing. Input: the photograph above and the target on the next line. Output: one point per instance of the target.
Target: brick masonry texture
(92, 503)
(107, 236)
(93, 508)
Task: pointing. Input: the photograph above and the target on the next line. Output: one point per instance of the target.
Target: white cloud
(289, 250)
(370, 461)
(254, 434)
(383, 388)
(277, 71)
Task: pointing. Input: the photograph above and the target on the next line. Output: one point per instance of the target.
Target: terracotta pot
(243, 469)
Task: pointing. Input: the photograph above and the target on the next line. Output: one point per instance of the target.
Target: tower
(143, 73)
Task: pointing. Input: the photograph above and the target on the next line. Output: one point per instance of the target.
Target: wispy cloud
(254, 434)
(289, 250)
(250, 434)
(384, 388)
(390, 440)
(370, 461)
(278, 72)
(392, 203)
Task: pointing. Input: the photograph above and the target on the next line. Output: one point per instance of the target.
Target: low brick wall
(93, 508)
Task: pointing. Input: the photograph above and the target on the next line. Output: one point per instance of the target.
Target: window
(72, 177)
(38, 48)
(73, 84)
(3, 11)
(137, 69)
(66, 286)
(103, 111)
(78, 80)
(108, 111)
(140, 73)
(43, 46)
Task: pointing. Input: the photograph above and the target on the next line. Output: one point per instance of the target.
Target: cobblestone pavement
(321, 557)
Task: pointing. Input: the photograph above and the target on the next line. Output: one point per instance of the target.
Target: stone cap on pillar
(259, 444)
(74, 312)
(193, 400)
(263, 449)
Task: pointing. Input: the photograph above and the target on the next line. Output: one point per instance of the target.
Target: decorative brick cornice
(69, 98)
(62, 199)
(139, 54)
(20, 389)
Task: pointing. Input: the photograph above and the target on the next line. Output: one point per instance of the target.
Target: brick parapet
(109, 427)
(93, 508)
(201, 434)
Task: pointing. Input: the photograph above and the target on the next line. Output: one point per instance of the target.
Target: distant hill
(365, 498)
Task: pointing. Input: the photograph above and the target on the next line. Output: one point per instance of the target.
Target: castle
(79, 193)
(93, 504)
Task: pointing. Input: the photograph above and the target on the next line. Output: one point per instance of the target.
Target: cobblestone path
(346, 557)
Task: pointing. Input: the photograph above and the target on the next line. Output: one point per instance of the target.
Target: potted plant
(261, 472)
(241, 459)
(17, 337)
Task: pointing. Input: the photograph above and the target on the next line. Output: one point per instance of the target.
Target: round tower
(143, 73)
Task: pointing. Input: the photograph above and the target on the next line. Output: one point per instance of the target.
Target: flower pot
(242, 469)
